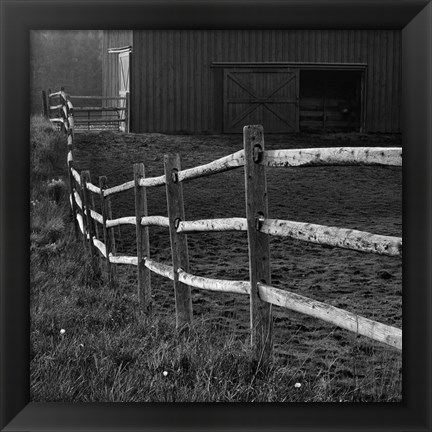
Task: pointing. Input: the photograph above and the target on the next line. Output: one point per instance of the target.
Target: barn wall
(175, 89)
(110, 66)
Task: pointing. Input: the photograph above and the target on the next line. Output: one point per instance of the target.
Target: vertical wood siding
(175, 89)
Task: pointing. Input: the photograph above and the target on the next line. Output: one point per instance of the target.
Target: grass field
(108, 351)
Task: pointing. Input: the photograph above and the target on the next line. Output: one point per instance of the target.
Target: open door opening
(331, 100)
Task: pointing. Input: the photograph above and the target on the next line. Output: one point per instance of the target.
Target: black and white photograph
(216, 214)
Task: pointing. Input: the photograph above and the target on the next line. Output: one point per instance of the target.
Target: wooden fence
(257, 223)
(90, 112)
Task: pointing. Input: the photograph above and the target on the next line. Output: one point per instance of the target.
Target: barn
(215, 81)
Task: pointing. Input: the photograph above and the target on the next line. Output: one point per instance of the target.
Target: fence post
(85, 177)
(79, 189)
(105, 209)
(142, 240)
(259, 251)
(113, 247)
(179, 248)
(70, 111)
(70, 160)
(49, 102)
(44, 104)
(73, 203)
(95, 223)
(63, 114)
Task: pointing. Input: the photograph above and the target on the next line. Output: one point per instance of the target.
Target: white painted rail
(145, 182)
(210, 284)
(100, 246)
(160, 268)
(78, 200)
(126, 220)
(96, 216)
(333, 156)
(120, 188)
(76, 175)
(80, 222)
(221, 285)
(93, 188)
(372, 329)
(145, 221)
(162, 221)
(226, 163)
(123, 260)
(152, 181)
(204, 225)
(333, 236)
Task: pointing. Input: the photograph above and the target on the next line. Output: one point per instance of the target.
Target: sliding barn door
(124, 83)
(266, 96)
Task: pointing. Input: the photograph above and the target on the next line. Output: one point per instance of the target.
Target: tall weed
(47, 149)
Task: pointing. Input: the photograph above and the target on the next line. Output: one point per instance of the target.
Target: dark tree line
(68, 58)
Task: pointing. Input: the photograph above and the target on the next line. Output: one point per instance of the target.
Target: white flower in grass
(165, 373)
(62, 331)
(297, 385)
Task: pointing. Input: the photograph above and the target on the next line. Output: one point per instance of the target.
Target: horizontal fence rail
(333, 236)
(355, 323)
(256, 225)
(226, 163)
(125, 220)
(228, 224)
(285, 299)
(333, 156)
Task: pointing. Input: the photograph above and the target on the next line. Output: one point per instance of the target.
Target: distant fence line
(255, 160)
(86, 117)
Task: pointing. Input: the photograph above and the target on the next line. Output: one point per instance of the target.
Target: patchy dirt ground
(364, 198)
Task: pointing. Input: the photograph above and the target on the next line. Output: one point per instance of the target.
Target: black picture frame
(19, 17)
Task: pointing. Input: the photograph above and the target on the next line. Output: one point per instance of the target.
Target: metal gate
(266, 96)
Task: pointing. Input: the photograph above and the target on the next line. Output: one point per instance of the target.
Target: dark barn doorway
(331, 100)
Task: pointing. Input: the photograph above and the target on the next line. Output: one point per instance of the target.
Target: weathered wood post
(95, 224)
(142, 240)
(105, 209)
(44, 104)
(259, 251)
(63, 110)
(111, 232)
(80, 190)
(49, 102)
(70, 162)
(179, 248)
(80, 210)
(85, 178)
(61, 113)
(70, 112)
